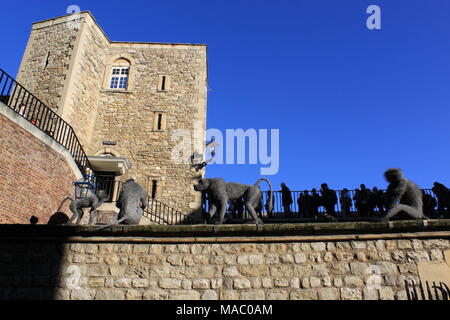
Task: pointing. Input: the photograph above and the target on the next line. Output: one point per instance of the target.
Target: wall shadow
(30, 264)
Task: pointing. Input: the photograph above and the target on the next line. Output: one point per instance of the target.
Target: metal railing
(24, 103)
(156, 211)
(351, 208)
(111, 187)
(160, 213)
(436, 291)
(163, 214)
(354, 208)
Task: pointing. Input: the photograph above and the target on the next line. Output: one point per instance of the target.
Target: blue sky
(349, 102)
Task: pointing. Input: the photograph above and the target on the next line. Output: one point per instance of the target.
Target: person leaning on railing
(443, 198)
(429, 204)
(346, 202)
(286, 198)
(315, 203)
(303, 204)
(329, 199)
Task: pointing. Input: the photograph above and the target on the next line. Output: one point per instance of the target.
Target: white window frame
(121, 78)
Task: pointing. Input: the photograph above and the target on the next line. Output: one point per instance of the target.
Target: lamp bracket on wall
(196, 158)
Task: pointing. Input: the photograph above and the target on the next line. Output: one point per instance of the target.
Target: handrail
(24, 103)
(161, 213)
(435, 291)
(308, 208)
(352, 209)
(158, 212)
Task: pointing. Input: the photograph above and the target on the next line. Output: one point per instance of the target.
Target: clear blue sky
(349, 102)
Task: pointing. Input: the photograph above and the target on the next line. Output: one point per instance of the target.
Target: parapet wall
(304, 261)
(37, 173)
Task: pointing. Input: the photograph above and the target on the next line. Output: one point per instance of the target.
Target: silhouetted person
(315, 203)
(329, 198)
(364, 198)
(303, 204)
(346, 202)
(356, 198)
(443, 197)
(286, 198)
(372, 201)
(237, 208)
(376, 200)
(429, 204)
(266, 206)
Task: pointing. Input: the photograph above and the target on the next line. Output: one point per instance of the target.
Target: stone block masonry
(70, 70)
(150, 264)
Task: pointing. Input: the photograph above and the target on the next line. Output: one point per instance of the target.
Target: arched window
(119, 74)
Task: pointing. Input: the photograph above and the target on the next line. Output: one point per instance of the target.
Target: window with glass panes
(119, 78)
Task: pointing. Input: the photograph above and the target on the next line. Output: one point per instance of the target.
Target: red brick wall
(34, 177)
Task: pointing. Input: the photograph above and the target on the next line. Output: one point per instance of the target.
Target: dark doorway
(106, 181)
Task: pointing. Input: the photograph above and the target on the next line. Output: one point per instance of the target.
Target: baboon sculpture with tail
(402, 195)
(92, 200)
(220, 192)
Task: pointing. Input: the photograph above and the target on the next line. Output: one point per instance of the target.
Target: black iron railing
(108, 185)
(301, 207)
(23, 102)
(156, 211)
(160, 213)
(354, 207)
(435, 291)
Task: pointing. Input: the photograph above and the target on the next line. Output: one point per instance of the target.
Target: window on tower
(164, 82)
(119, 78)
(119, 75)
(159, 121)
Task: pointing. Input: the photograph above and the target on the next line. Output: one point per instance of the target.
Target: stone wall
(127, 118)
(46, 62)
(145, 267)
(69, 65)
(302, 270)
(81, 101)
(36, 172)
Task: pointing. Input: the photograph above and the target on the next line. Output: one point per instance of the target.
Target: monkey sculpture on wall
(132, 202)
(220, 192)
(402, 195)
(92, 200)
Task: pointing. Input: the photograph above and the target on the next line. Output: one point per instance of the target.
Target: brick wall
(35, 177)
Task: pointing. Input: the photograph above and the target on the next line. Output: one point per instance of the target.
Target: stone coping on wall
(230, 233)
(62, 19)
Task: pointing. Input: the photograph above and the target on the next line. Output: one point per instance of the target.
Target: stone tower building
(126, 101)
